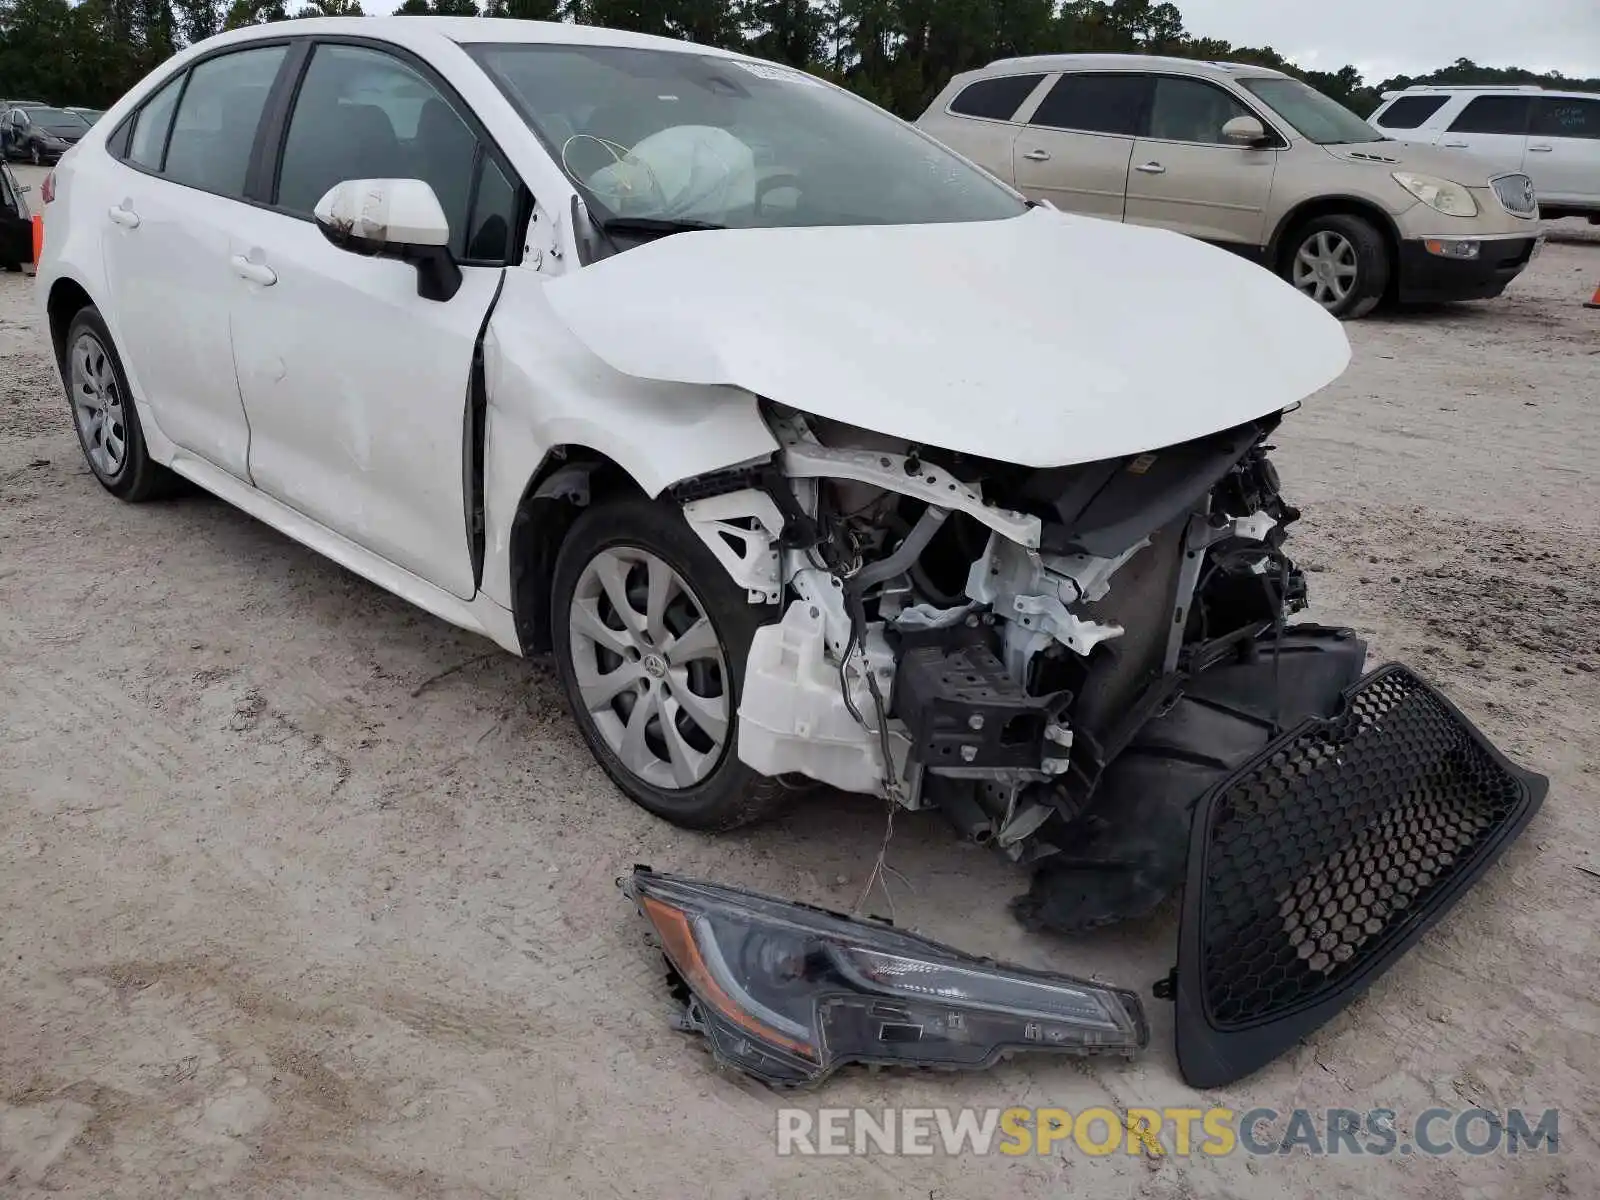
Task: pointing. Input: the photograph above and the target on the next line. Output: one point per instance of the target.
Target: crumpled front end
(1091, 668)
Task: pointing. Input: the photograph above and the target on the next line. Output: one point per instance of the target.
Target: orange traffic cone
(38, 237)
(1594, 301)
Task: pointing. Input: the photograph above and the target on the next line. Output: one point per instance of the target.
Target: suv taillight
(47, 189)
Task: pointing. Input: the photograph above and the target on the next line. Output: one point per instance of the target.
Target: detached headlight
(1443, 195)
(788, 993)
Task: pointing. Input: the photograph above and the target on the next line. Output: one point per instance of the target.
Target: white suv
(1553, 137)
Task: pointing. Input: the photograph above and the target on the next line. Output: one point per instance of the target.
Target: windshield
(670, 136)
(1317, 118)
(55, 118)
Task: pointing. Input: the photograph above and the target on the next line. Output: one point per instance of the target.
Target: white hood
(1043, 340)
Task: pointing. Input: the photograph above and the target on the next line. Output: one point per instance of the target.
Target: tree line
(898, 53)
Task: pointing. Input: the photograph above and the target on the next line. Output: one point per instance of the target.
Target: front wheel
(651, 638)
(1341, 261)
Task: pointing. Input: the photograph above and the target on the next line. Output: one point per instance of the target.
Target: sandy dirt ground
(306, 894)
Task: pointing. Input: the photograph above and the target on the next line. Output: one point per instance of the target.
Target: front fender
(546, 390)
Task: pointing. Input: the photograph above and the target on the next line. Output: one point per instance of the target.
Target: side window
(1409, 112)
(997, 99)
(1494, 114)
(1189, 110)
(1566, 117)
(364, 114)
(1095, 104)
(215, 126)
(150, 125)
(494, 216)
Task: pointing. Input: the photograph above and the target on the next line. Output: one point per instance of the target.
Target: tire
(1345, 241)
(96, 383)
(625, 547)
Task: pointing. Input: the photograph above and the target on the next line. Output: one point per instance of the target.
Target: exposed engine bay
(991, 639)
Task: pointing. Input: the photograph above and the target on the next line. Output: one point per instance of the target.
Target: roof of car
(468, 30)
(1124, 62)
(1483, 89)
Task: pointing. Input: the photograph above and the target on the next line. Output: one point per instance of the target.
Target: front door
(1493, 128)
(1564, 150)
(174, 203)
(356, 386)
(1075, 146)
(1186, 176)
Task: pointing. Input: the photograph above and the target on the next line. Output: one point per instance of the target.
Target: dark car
(16, 229)
(40, 133)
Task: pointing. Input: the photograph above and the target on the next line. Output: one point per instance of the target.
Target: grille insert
(1516, 195)
(1315, 866)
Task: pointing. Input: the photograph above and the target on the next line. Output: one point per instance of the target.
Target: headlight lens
(1443, 195)
(788, 993)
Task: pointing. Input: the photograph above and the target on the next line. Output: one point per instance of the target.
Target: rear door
(357, 387)
(1492, 127)
(978, 122)
(178, 193)
(1077, 142)
(1186, 176)
(1564, 150)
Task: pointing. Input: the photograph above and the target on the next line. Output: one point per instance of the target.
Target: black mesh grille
(1323, 855)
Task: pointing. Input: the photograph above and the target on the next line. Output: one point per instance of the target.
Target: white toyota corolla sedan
(809, 449)
(812, 452)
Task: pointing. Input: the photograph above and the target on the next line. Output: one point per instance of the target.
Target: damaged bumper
(1317, 864)
(1311, 868)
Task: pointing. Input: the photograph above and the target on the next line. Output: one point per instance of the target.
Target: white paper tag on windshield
(781, 74)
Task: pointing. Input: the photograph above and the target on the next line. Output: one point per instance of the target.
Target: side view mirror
(393, 218)
(1246, 131)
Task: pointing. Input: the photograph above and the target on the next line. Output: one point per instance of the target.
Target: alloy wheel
(97, 405)
(1325, 268)
(650, 667)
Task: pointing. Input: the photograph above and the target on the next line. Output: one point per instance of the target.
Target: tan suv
(1250, 159)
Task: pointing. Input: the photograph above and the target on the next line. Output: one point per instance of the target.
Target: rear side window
(1566, 117)
(1494, 114)
(215, 127)
(1095, 104)
(1409, 112)
(996, 99)
(151, 124)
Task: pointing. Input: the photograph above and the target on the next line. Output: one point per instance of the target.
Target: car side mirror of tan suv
(1246, 131)
(393, 218)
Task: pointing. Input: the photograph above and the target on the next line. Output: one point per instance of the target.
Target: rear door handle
(1542, 149)
(1456, 145)
(124, 216)
(253, 271)
(1037, 156)
(1151, 168)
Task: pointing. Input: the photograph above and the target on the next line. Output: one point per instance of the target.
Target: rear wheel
(103, 413)
(1341, 261)
(651, 638)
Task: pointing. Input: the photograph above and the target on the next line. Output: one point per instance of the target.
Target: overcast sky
(1394, 37)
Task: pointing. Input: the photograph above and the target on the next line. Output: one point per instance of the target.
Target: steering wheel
(771, 183)
(622, 195)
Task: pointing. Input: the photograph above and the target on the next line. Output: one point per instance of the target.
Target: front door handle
(1151, 168)
(124, 216)
(1542, 149)
(253, 271)
(1456, 145)
(1037, 156)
